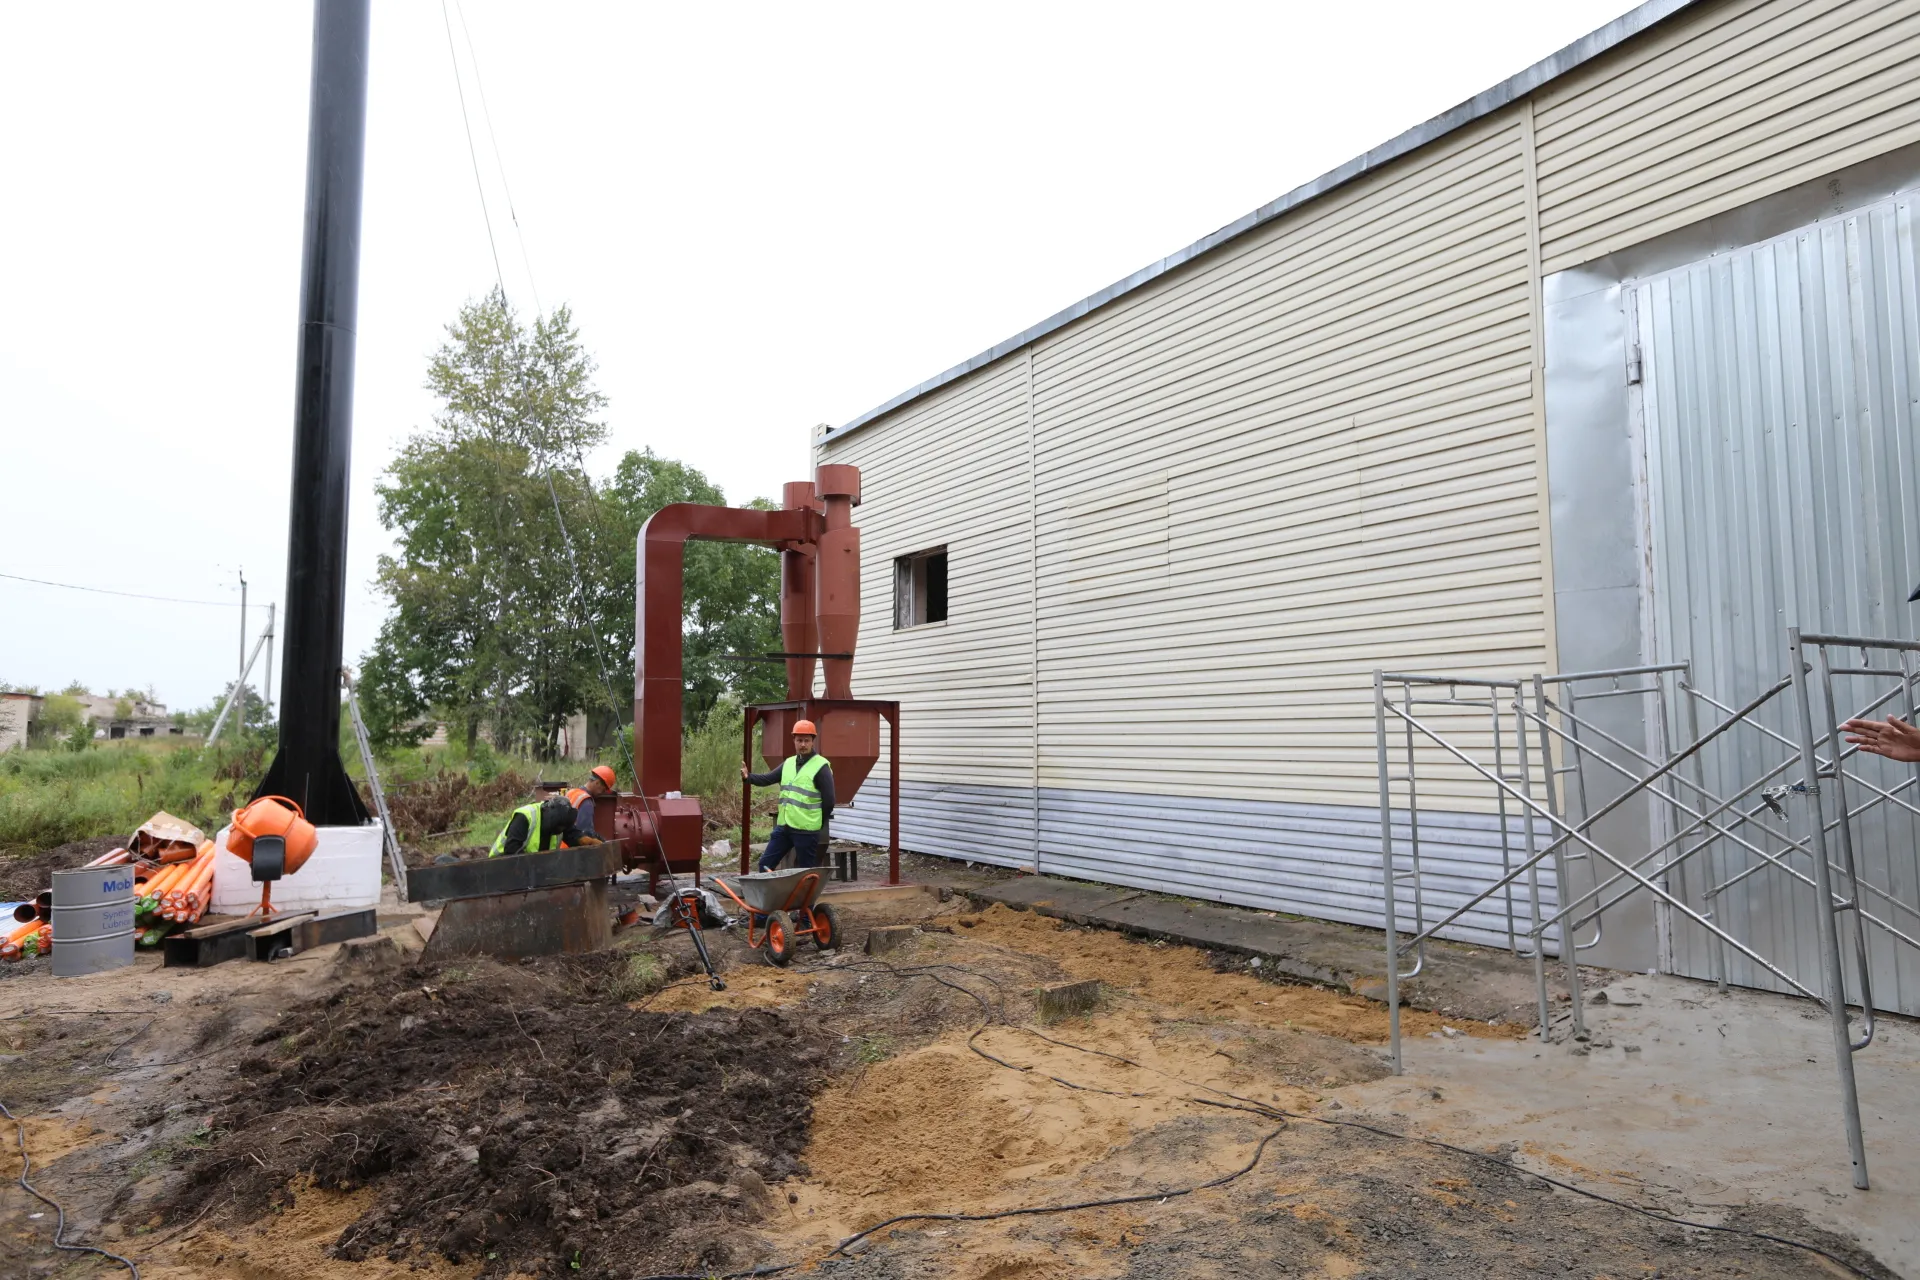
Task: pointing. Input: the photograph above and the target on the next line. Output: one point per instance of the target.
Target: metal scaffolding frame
(1545, 746)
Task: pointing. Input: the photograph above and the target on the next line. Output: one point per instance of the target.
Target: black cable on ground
(1261, 1108)
(1260, 1149)
(986, 1018)
(1168, 1193)
(1655, 1214)
(60, 1214)
(1254, 1106)
(1628, 1205)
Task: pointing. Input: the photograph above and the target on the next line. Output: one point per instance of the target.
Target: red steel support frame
(889, 711)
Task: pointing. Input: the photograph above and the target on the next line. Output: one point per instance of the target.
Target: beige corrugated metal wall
(1719, 107)
(1312, 451)
(951, 470)
(1335, 416)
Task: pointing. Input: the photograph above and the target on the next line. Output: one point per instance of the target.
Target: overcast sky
(763, 216)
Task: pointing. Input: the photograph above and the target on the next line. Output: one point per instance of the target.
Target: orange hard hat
(576, 797)
(806, 727)
(605, 774)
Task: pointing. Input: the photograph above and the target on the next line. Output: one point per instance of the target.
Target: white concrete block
(343, 872)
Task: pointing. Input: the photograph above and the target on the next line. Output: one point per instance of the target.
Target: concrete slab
(1468, 982)
(1687, 1100)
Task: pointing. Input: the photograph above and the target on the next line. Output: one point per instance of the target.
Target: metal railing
(1548, 750)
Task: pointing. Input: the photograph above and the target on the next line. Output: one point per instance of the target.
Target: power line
(132, 595)
(498, 277)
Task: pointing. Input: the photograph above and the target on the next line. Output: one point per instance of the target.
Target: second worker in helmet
(806, 802)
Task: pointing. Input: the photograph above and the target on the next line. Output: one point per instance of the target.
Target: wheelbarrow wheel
(779, 944)
(826, 928)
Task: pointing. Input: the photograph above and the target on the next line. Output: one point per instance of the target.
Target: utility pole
(266, 685)
(240, 681)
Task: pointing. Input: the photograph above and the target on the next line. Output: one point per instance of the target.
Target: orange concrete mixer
(275, 839)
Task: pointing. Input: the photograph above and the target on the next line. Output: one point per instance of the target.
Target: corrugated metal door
(1777, 396)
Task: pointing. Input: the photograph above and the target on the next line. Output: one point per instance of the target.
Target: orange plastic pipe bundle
(183, 885)
(186, 897)
(112, 858)
(27, 939)
(154, 891)
(187, 900)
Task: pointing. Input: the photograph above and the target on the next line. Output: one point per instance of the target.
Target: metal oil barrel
(92, 920)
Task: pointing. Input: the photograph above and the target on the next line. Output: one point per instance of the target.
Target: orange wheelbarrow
(782, 907)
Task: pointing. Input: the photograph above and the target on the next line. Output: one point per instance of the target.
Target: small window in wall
(920, 589)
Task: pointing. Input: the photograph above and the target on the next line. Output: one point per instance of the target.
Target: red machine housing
(657, 827)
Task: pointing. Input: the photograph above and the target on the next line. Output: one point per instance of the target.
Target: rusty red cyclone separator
(819, 615)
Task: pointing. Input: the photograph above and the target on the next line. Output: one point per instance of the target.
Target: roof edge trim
(1507, 92)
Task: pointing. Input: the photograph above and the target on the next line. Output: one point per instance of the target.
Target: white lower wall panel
(1319, 861)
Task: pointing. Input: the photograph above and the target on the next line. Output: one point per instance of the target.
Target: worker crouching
(540, 827)
(806, 802)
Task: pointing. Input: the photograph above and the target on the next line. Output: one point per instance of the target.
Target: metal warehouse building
(1583, 373)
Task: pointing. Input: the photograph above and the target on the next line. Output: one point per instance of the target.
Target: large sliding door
(1777, 389)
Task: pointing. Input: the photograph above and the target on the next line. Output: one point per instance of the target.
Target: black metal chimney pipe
(307, 766)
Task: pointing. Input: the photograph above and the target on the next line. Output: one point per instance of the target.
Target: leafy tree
(254, 719)
(491, 627)
(484, 626)
(62, 719)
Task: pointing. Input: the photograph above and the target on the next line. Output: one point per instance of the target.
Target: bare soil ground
(569, 1117)
(24, 874)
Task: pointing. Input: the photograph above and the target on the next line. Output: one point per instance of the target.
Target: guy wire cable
(540, 455)
(486, 115)
(472, 155)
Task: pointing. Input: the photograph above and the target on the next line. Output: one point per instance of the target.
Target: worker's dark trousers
(804, 844)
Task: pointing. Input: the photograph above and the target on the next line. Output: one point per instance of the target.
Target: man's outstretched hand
(1895, 738)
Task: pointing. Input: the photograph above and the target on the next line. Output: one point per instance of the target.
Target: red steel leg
(893, 800)
(746, 788)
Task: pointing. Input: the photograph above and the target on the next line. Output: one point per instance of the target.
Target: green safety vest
(799, 798)
(535, 836)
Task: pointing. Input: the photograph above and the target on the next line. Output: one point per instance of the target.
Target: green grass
(642, 976)
(873, 1048)
(50, 797)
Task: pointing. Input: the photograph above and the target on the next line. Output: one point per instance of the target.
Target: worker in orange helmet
(581, 833)
(806, 801)
(600, 782)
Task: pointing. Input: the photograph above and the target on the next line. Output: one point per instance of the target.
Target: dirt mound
(418, 857)
(520, 1118)
(25, 874)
